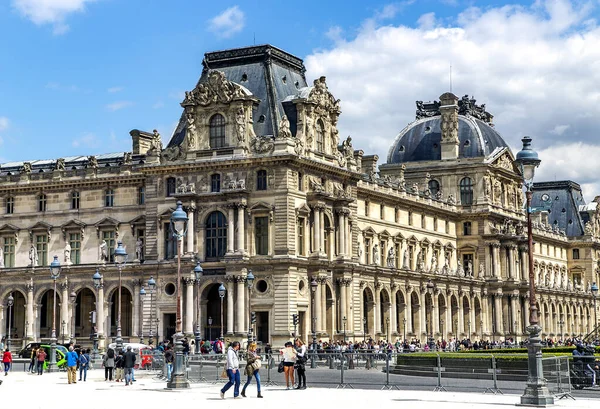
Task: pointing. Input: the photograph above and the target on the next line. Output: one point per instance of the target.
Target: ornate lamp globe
(527, 160)
(120, 253)
(222, 290)
(55, 268)
(179, 220)
(151, 283)
(198, 271)
(97, 277)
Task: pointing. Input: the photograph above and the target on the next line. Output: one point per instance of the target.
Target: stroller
(584, 371)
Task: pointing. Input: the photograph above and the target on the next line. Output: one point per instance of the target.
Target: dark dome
(421, 140)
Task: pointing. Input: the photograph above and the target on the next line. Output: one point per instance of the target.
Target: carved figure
(191, 130)
(139, 245)
(347, 148)
(420, 261)
(459, 269)
(103, 251)
(157, 141)
(127, 158)
(1, 257)
(391, 257)
(26, 167)
(434, 264)
(60, 164)
(310, 130)
(240, 122)
(451, 201)
(284, 128)
(376, 259)
(262, 144)
(469, 269)
(481, 272)
(315, 185)
(497, 191)
(33, 256)
(589, 229)
(487, 186)
(405, 259)
(67, 253)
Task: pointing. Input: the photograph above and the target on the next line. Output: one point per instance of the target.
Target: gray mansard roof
(563, 201)
(269, 73)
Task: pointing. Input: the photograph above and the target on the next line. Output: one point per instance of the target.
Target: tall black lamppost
(536, 392)
(198, 274)
(249, 282)
(142, 296)
(151, 288)
(344, 321)
(10, 301)
(404, 325)
(313, 289)
(178, 227)
(120, 260)
(481, 326)
(221, 296)
(594, 289)
(364, 329)
(387, 324)
(560, 325)
(430, 321)
(210, 321)
(97, 278)
(73, 298)
(54, 274)
(442, 328)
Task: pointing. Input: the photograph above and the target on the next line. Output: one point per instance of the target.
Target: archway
(212, 312)
(45, 314)
(415, 307)
(16, 316)
(384, 313)
(126, 312)
(81, 326)
(368, 313)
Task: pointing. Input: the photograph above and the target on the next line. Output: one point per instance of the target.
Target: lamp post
(536, 392)
(364, 329)
(313, 289)
(120, 260)
(595, 293)
(387, 325)
(560, 324)
(10, 301)
(63, 328)
(210, 321)
(142, 296)
(97, 278)
(430, 321)
(73, 298)
(469, 326)
(178, 227)
(456, 329)
(250, 282)
(222, 296)
(344, 321)
(481, 326)
(198, 274)
(442, 328)
(151, 287)
(404, 325)
(54, 274)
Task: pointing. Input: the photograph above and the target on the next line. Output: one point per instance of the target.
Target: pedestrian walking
(72, 359)
(301, 363)
(233, 371)
(108, 362)
(169, 362)
(252, 367)
(41, 358)
(84, 362)
(119, 367)
(289, 359)
(7, 361)
(129, 362)
(32, 361)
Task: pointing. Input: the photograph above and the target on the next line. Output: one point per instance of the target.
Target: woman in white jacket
(289, 359)
(233, 370)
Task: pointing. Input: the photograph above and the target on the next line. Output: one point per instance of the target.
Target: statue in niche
(497, 191)
(1, 257)
(421, 261)
(376, 259)
(284, 128)
(469, 269)
(60, 164)
(139, 246)
(459, 269)
(103, 251)
(451, 201)
(191, 130)
(310, 130)
(481, 271)
(446, 268)
(33, 256)
(434, 264)
(405, 259)
(347, 148)
(240, 124)
(487, 186)
(67, 253)
(391, 257)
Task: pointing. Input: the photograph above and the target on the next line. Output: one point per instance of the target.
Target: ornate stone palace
(269, 186)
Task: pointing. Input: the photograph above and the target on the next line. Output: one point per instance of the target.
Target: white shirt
(232, 359)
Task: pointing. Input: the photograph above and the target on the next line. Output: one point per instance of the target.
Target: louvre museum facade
(431, 240)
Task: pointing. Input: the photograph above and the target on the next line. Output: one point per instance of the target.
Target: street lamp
(595, 293)
(54, 274)
(560, 324)
(387, 325)
(178, 227)
(250, 282)
(63, 329)
(198, 274)
(481, 326)
(142, 296)
(344, 321)
(430, 321)
(73, 298)
(10, 301)
(222, 296)
(120, 260)
(364, 329)
(151, 287)
(313, 289)
(210, 321)
(97, 278)
(404, 324)
(442, 328)
(536, 392)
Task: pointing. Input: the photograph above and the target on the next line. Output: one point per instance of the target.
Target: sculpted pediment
(505, 160)
(216, 89)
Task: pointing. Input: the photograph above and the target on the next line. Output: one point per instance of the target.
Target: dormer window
(217, 131)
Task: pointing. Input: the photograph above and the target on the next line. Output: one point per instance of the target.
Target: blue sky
(77, 75)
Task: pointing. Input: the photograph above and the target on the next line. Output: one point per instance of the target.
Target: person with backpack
(84, 362)
(72, 359)
(119, 364)
(108, 361)
(41, 358)
(128, 363)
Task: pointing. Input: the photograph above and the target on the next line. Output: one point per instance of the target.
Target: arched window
(466, 191)
(434, 187)
(217, 131)
(261, 180)
(320, 136)
(216, 235)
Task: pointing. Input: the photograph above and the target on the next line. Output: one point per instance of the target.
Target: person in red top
(7, 361)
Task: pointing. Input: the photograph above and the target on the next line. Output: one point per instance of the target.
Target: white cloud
(112, 90)
(536, 69)
(228, 23)
(4, 122)
(115, 106)
(87, 140)
(427, 21)
(335, 34)
(53, 12)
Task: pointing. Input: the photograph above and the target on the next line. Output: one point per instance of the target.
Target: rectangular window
(41, 244)
(382, 212)
(367, 208)
(466, 228)
(435, 224)
(171, 187)
(75, 200)
(397, 253)
(447, 223)
(109, 238)
(261, 235)
(411, 257)
(468, 263)
(170, 247)
(575, 254)
(215, 183)
(383, 250)
(141, 195)
(300, 235)
(423, 222)
(10, 205)
(9, 251)
(42, 201)
(261, 180)
(75, 243)
(300, 182)
(109, 198)
(396, 215)
(368, 251)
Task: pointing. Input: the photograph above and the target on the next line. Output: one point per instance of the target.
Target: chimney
(142, 141)
(449, 111)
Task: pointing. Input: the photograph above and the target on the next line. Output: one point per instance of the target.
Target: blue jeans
(169, 370)
(83, 369)
(6, 367)
(128, 375)
(257, 376)
(234, 379)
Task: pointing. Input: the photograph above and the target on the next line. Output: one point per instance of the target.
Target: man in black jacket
(129, 362)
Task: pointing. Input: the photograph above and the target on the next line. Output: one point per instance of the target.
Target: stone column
(230, 229)
(394, 315)
(317, 230)
(318, 314)
(189, 307)
(30, 310)
(511, 262)
(190, 229)
(100, 315)
(230, 304)
(342, 233)
(498, 311)
(435, 317)
(322, 221)
(349, 309)
(136, 308)
(461, 315)
(2, 322)
(323, 302)
(377, 310)
(343, 299)
(239, 306)
(484, 313)
(241, 228)
(513, 315)
(422, 317)
(64, 310)
(408, 314)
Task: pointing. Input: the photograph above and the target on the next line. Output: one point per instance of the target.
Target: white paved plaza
(51, 391)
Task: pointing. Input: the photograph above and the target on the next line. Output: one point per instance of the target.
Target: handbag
(280, 367)
(224, 374)
(256, 365)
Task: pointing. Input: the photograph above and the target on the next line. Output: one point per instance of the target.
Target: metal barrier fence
(558, 374)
